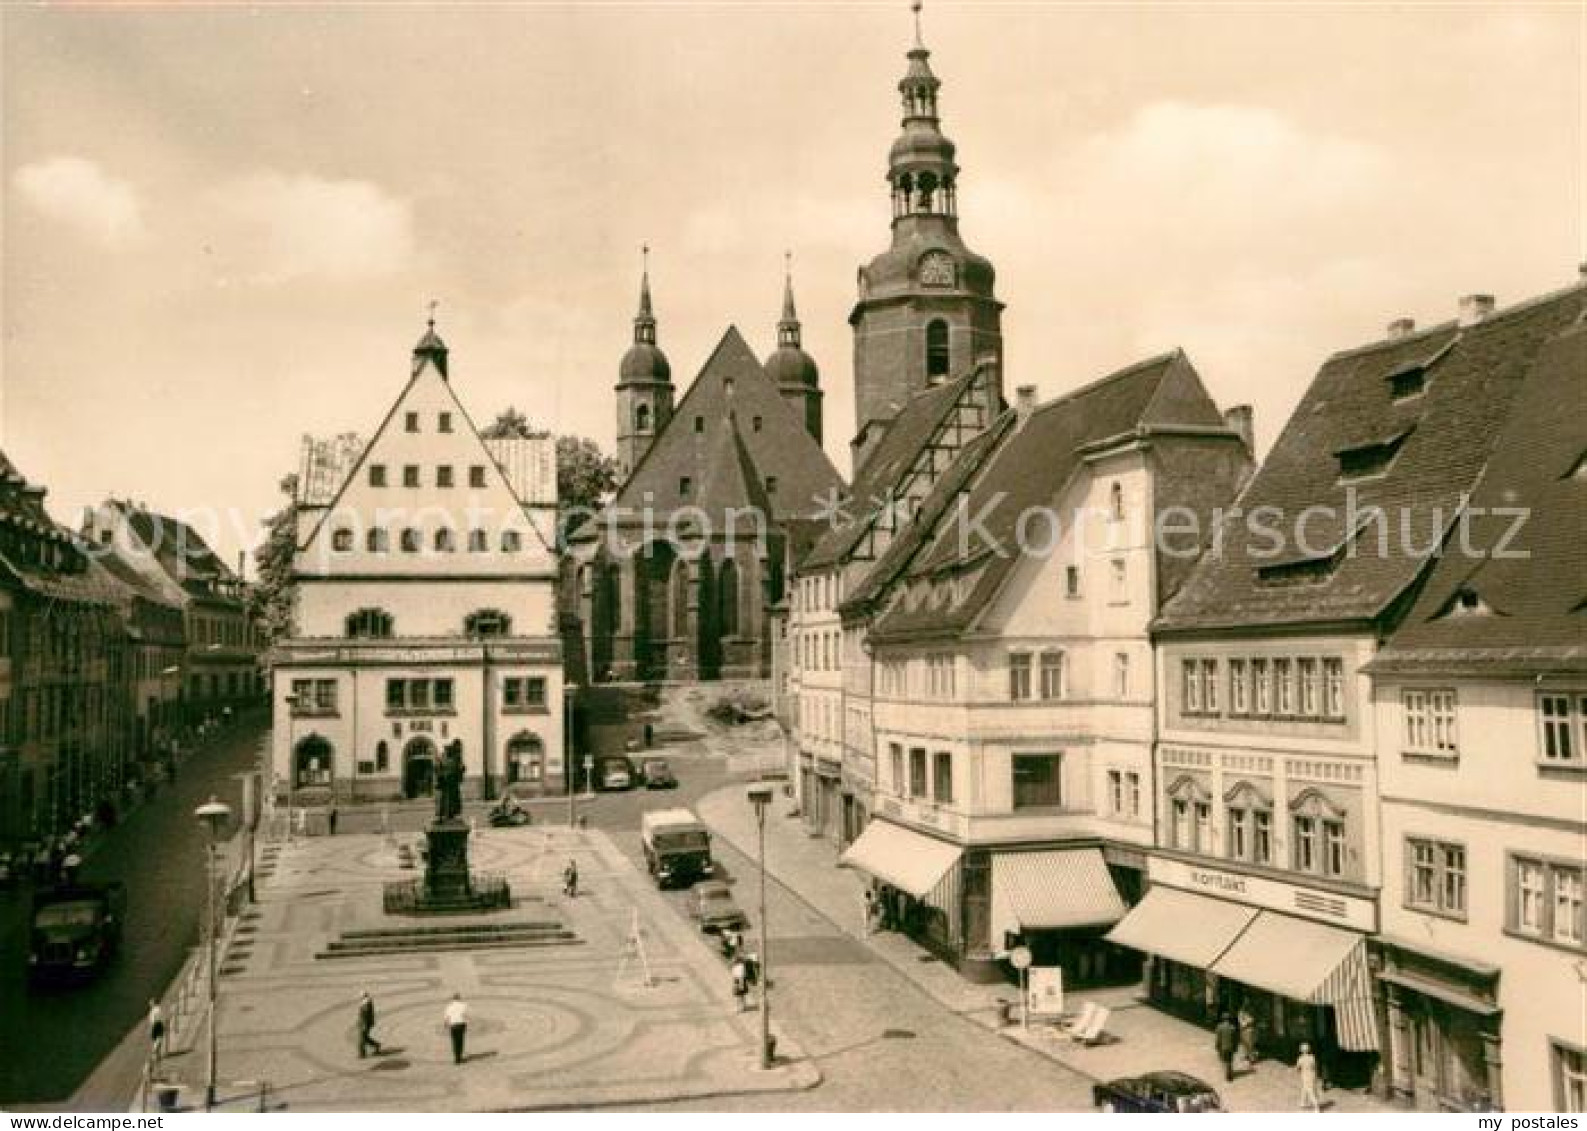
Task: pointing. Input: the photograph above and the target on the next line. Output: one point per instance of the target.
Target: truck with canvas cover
(677, 846)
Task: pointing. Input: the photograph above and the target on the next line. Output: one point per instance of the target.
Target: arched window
(382, 757)
(410, 541)
(642, 418)
(375, 623)
(312, 761)
(679, 599)
(526, 759)
(727, 599)
(936, 349)
(342, 540)
(478, 541)
(511, 541)
(487, 622)
(444, 542)
(377, 540)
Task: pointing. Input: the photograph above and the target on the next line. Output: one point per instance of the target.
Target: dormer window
(1408, 382)
(1578, 470)
(1465, 602)
(1366, 461)
(487, 622)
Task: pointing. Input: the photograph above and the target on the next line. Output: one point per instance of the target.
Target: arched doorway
(526, 762)
(418, 768)
(312, 761)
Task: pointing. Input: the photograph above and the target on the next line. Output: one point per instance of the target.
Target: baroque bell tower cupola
(792, 369)
(926, 310)
(644, 385)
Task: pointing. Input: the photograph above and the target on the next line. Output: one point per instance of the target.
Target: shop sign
(1260, 891)
(1045, 991)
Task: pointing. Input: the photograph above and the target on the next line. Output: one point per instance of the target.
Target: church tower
(794, 371)
(926, 310)
(644, 386)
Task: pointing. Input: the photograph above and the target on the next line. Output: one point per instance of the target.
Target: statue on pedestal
(449, 783)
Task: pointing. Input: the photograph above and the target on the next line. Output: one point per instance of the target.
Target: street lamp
(293, 702)
(567, 747)
(213, 815)
(760, 797)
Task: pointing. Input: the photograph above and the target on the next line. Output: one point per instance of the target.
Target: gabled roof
(877, 480)
(1523, 557)
(178, 549)
(1473, 374)
(730, 393)
(1028, 462)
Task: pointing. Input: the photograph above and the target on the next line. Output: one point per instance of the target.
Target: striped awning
(1182, 926)
(1307, 961)
(907, 860)
(1052, 890)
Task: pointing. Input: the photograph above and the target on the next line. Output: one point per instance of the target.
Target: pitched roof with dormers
(1405, 425)
(732, 429)
(1508, 597)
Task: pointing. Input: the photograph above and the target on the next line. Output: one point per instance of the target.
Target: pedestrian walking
(156, 1032)
(1226, 1038)
(1248, 1036)
(570, 879)
(741, 983)
(330, 820)
(366, 1025)
(870, 910)
(456, 1019)
(1310, 1086)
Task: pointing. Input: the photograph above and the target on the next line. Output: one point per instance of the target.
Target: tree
(271, 598)
(585, 475)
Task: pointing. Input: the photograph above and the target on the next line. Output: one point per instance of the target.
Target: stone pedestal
(446, 871)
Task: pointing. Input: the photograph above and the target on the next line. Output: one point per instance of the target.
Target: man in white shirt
(456, 1018)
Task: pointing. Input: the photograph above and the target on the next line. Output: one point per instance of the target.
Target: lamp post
(292, 702)
(213, 815)
(760, 798)
(568, 751)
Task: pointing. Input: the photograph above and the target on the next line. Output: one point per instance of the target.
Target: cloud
(77, 192)
(294, 227)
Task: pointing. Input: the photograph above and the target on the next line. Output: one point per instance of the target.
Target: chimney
(1240, 420)
(1400, 328)
(1024, 402)
(1474, 308)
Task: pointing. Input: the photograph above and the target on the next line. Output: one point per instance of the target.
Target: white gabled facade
(425, 609)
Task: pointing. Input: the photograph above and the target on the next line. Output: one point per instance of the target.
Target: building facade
(426, 613)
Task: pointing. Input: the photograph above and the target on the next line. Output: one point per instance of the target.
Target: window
(342, 540)
(443, 475)
(377, 475)
(1306, 679)
(1037, 780)
(382, 757)
(699, 424)
(1119, 592)
(419, 694)
(1261, 688)
(917, 772)
(1192, 686)
(1429, 721)
(1239, 689)
(487, 622)
(1370, 460)
(1559, 726)
(1116, 503)
(1052, 675)
(1132, 784)
(445, 543)
(1179, 834)
(895, 755)
(396, 695)
(1261, 836)
(685, 486)
(441, 692)
(443, 423)
(478, 541)
(1408, 382)
(942, 777)
(377, 541)
(511, 541)
(937, 356)
(1333, 862)
(1422, 888)
(313, 696)
(1531, 881)
(1305, 843)
(1209, 686)
(523, 693)
(1547, 901)
(1071, 581)
(1121, 675)
(1239, 832)
(410, 475)
(771, 484)
(1019, 676)
(1283, 687)
(410, 541)
(373, 623)
(411, 421)
(1333, 671)
(1567, 905)
(755, 424)
(1116, 791)
(476, 476)
(1570, 1078)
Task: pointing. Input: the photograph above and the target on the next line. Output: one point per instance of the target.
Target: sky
(223, 224)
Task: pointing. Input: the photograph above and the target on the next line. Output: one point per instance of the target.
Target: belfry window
(937, 350)
(642, 418)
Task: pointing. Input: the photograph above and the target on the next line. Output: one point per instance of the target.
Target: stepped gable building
(426, 613)
(1012, 704)
(1480, 697)
(1270, 859)
(676, 578)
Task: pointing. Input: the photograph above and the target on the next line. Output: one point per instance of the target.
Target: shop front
(1300, 980)
(916, 880)
(1060, 903)
(1444, 1028)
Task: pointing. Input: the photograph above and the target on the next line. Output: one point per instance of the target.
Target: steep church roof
(732, 409)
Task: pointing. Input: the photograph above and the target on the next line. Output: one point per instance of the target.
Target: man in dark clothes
(1226, 1038)
(366, 1025)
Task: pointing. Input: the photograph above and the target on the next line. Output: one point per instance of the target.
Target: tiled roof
(732, 386)
(876, 481)
(1521, 561)
(1329, 568)
(180, 550)
(1026, 464)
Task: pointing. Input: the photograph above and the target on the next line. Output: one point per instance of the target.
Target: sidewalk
(1146, 1039)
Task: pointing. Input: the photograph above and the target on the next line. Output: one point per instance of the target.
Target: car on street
(712, 903)
(616, 773)
(1156, 1092)
(657, 774)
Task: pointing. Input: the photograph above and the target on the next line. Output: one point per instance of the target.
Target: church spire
(645, 320)
(788, 327)
(921, 168)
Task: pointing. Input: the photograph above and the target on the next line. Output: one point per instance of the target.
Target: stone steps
(516, 926)
(385, 948)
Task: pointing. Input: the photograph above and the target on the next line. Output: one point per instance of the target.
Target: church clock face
(937, 270)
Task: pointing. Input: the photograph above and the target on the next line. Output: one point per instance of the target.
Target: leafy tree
(272, 596)
(585, 475)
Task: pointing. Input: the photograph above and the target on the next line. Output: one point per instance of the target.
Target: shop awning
(1307, 961)
(1052, 890)
(1179, 925)
(907, 860)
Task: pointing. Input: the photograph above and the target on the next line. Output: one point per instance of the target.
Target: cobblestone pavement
(1142, 1038)
(549, 1027)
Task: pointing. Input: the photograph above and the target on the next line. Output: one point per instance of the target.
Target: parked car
(1156, 1092)
(657, 774)
(712, 903)
(616, 773)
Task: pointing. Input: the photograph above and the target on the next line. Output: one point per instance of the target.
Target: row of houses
(114, 640)
(1307, 739)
